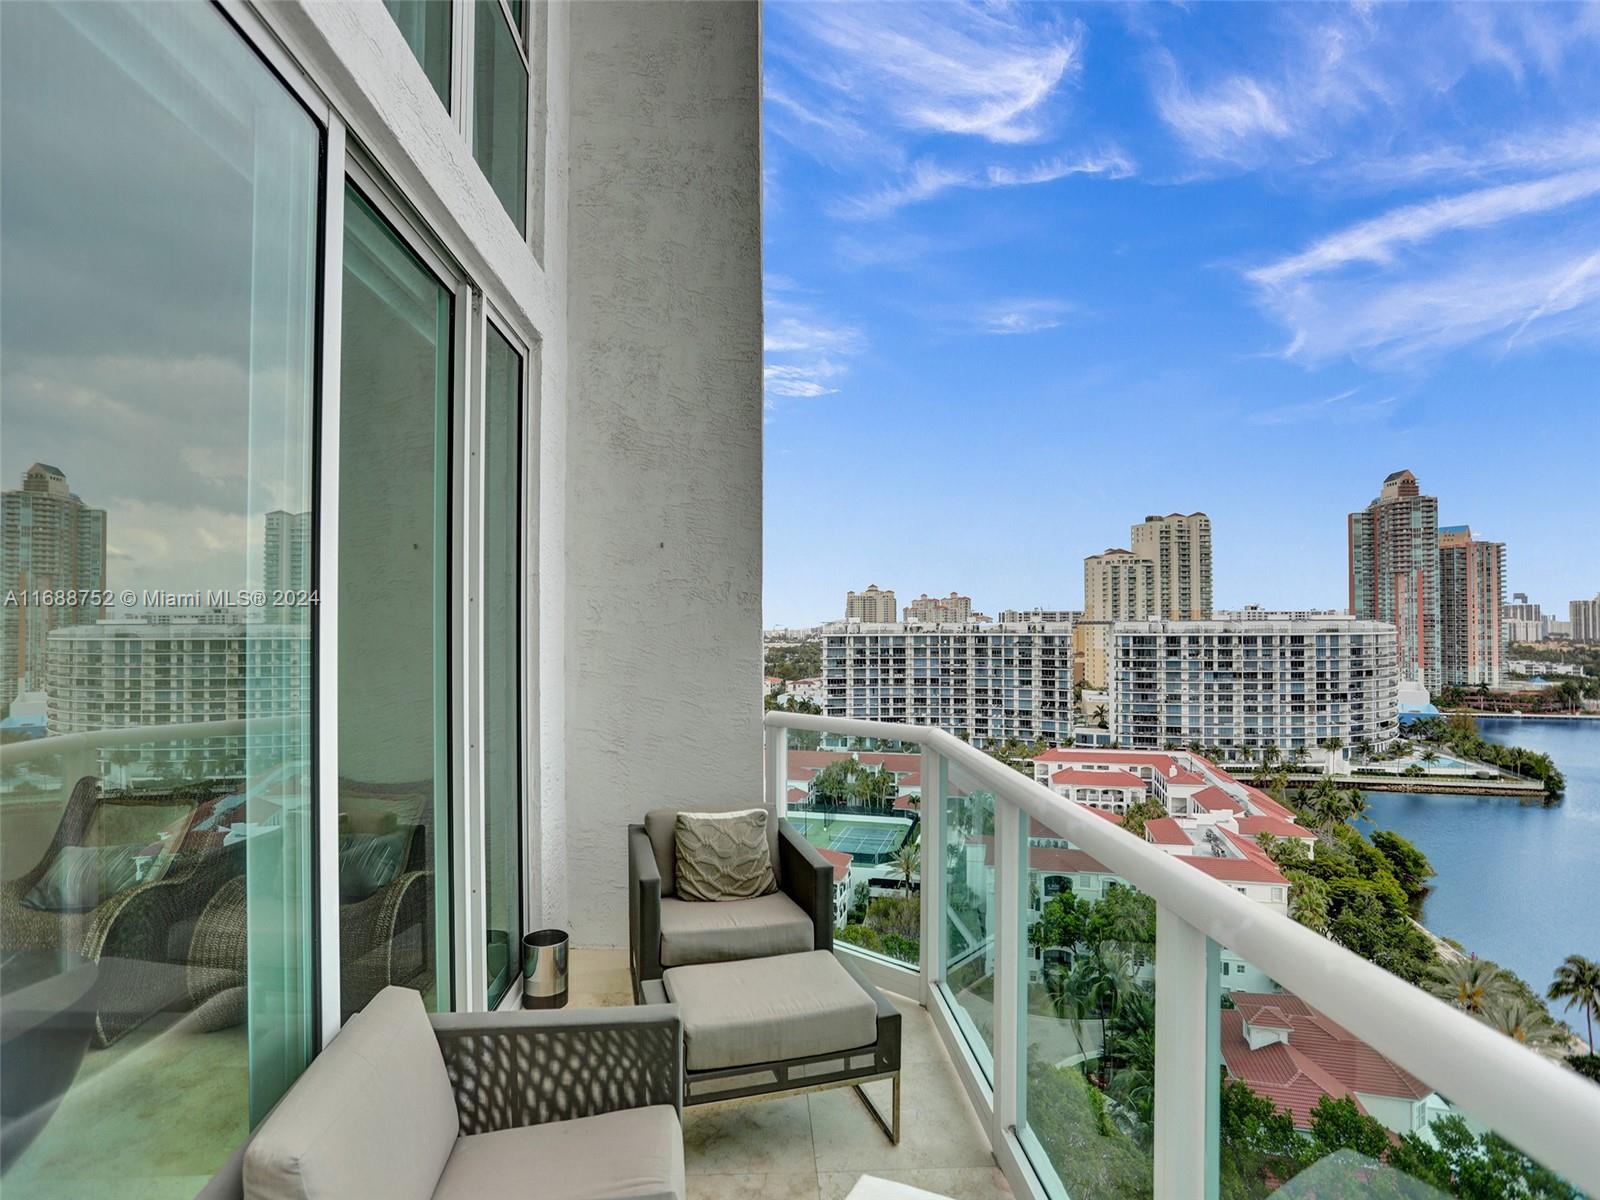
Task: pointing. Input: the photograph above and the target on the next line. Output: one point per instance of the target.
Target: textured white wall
(663, 436)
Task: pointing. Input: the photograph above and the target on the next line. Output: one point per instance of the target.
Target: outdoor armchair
(405, 1106)
(667, 931)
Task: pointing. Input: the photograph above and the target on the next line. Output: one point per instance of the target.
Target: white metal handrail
(143, 735)
(1546, 1110)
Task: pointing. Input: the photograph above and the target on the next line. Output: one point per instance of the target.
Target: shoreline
(1520, 716)
(1443, 785)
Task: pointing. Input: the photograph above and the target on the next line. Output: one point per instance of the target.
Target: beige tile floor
(815, 1147)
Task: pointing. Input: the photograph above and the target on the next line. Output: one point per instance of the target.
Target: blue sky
(1035, 271)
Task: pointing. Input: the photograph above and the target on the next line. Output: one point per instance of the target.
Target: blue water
(1517, 883)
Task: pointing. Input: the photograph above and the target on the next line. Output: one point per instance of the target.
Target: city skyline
(1034, 272)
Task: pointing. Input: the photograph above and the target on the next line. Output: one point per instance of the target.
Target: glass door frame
(477, 302)
(487, 316)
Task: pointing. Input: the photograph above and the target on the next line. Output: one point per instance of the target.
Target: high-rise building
(172, 669)
(1584, 617)
(951, 608)
(992, 682)
(1180, 547)
(1394, 573)
(1521, 621)
(1118, 585)
(1289, 684)
(286, 554)
(874, 604)
(52, 542)
(1471, 587)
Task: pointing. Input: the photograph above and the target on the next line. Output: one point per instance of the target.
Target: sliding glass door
(394, 617)
(159, 208)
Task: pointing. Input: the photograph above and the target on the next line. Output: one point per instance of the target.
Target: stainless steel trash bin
(544, 969)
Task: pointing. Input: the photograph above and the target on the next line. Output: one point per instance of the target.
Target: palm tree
(1577, 981)
(1516, 1018)
(1470, 984)
(908, 862)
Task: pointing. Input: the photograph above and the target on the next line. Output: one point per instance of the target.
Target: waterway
(1518, 883)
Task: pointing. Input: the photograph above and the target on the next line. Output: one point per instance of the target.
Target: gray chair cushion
(724, 856)
(373, 1115)
(694, 931)
(770, 1009)
(635, 1154)
(661, 827)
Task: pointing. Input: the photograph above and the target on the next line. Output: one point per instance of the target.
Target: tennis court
(869, 839)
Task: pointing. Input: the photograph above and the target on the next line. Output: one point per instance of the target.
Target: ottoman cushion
(760, 1010)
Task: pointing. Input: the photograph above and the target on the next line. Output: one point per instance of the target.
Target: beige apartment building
(949, 608)
(875, 605)
(1394, 573)
(1180, 547)
(1471, 590)
(1118, 585)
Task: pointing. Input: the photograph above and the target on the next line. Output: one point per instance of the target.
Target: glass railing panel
(967, 922)
(1304, 1108)
(858, 800)
(1088, 966)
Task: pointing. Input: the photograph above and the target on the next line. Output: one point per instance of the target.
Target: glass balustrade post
(930, 806)
(777, 750)
(1010, 964)
(1183, 1004)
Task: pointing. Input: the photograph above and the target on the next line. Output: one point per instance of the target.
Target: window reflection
(394, 775)
(159, 214)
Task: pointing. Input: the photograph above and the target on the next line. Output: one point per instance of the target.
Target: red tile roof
(1083, 778)
(1279, 1072)
(815, 760)
(1214, 799)
(1264, 803)
(798, 795)
(1321, 1057)
(841, 863)
(1104, 814)
(1254, 827)
(1234, 870)
(1165, 831)
(1062, 859)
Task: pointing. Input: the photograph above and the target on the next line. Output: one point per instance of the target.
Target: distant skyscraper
(286, 556)
(1471, 588)
(1180, 547)
(1584, 617)
(50, 540)
(936, 609)
(1394, 573)
(874, 605)
(1118, 585)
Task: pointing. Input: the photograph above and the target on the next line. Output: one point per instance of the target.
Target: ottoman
(790, 1023)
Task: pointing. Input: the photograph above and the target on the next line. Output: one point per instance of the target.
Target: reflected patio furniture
(46, 1021)
(666, 931)
(385, 939)
(139, 935)
(474, 1104)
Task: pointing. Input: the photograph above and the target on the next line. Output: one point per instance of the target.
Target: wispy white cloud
(1023, 316)
(1378, 240)
(1335, 409)
(1527, 294)
(927, 179)
(804, 351)
(986, 71)
(1227, 121)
